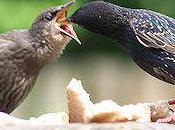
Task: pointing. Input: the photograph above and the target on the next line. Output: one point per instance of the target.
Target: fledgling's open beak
(66, 26)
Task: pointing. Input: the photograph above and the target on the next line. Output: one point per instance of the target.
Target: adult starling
(24, 52)
(148, 37)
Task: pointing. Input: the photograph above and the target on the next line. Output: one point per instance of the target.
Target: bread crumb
(79, 104)
(82, 110)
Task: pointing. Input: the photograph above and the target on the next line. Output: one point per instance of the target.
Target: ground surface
(115, 126)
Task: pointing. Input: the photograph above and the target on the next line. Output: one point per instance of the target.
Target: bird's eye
(48, 16)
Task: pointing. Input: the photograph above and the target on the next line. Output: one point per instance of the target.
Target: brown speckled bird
(24, 52)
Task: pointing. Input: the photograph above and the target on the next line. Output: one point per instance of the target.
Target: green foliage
(20, 13)
(16, 14)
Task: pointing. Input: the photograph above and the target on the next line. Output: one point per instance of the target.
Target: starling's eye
(48, 16)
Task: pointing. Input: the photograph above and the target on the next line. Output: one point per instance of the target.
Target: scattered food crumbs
(82, 110)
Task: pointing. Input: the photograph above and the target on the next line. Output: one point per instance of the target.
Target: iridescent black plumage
(147, 36)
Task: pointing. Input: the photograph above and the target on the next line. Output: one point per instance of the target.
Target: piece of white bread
(82, 110)
(79, 104)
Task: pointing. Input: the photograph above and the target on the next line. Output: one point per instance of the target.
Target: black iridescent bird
(147, 36)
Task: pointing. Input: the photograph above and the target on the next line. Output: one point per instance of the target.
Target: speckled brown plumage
(24, 52)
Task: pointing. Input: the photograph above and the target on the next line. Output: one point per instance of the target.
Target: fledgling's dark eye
(49, 16)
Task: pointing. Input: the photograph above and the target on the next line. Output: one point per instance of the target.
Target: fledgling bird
(148, 37)
(24, 52)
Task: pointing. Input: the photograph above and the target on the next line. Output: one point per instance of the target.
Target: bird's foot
(169, 119)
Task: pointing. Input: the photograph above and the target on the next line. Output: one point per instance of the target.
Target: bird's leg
(171, 102)
(169, 119)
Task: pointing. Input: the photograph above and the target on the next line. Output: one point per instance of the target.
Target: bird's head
(99, 17)
(52, 25)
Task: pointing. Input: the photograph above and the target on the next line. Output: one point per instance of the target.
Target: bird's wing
(154, 30)
(164, 75)
(9, 40)
(5, 44)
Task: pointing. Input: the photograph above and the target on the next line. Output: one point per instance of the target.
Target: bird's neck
(125, 36)
(47, 48)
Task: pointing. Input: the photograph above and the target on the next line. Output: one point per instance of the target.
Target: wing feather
(154, 29)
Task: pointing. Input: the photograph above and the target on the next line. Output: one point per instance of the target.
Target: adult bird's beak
(66, 26)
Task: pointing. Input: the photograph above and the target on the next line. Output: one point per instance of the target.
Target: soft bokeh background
(106, 71)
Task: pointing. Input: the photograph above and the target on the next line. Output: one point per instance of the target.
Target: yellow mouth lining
(61, 15)
(65, 26)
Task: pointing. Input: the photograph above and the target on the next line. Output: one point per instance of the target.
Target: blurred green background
(106, 71)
